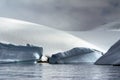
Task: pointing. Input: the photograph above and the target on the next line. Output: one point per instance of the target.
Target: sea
(45, 71)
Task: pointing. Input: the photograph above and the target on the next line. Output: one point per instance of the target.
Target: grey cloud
(63, 14)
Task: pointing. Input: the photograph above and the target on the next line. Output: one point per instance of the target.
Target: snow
(13, 53)
(111, 57)
(75, 55)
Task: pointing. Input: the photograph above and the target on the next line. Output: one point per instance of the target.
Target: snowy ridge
(75, 55)
(111, 57)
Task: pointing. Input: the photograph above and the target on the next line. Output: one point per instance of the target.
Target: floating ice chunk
(76, 55)
(111, 57)
(13, 53)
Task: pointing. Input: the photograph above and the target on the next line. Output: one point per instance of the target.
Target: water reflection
(58, 72)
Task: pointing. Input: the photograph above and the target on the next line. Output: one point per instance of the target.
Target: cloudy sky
(52, 40)
(68, 15)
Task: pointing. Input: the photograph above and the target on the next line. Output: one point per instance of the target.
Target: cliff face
(111, 57)
(75, 55)
(11, 53)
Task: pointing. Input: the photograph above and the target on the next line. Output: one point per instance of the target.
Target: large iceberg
(75, 55)
(12, 53)
(111, 57)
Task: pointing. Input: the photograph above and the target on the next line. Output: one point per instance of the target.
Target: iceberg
(17, 53)
(111, 57)
(75, 55)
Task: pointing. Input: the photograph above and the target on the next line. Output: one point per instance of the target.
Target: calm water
(58, 72)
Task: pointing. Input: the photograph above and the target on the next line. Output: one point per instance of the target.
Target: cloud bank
(52, 40)
(75, 15)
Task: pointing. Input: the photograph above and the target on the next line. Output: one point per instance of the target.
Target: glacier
(17, 53)
(75, 55)
(111, 57)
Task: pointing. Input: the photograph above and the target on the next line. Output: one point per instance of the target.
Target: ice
(111, 57)
(13, 53)
(75, 55)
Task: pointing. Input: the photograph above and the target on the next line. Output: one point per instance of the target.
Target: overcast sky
(74, 15)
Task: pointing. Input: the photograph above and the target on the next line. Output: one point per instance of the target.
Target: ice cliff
(14, 53)
(111, 57)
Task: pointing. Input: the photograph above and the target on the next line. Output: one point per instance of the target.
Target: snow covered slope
(112, 57)
(75, 55)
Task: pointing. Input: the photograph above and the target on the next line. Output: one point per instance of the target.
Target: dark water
(58, 72)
